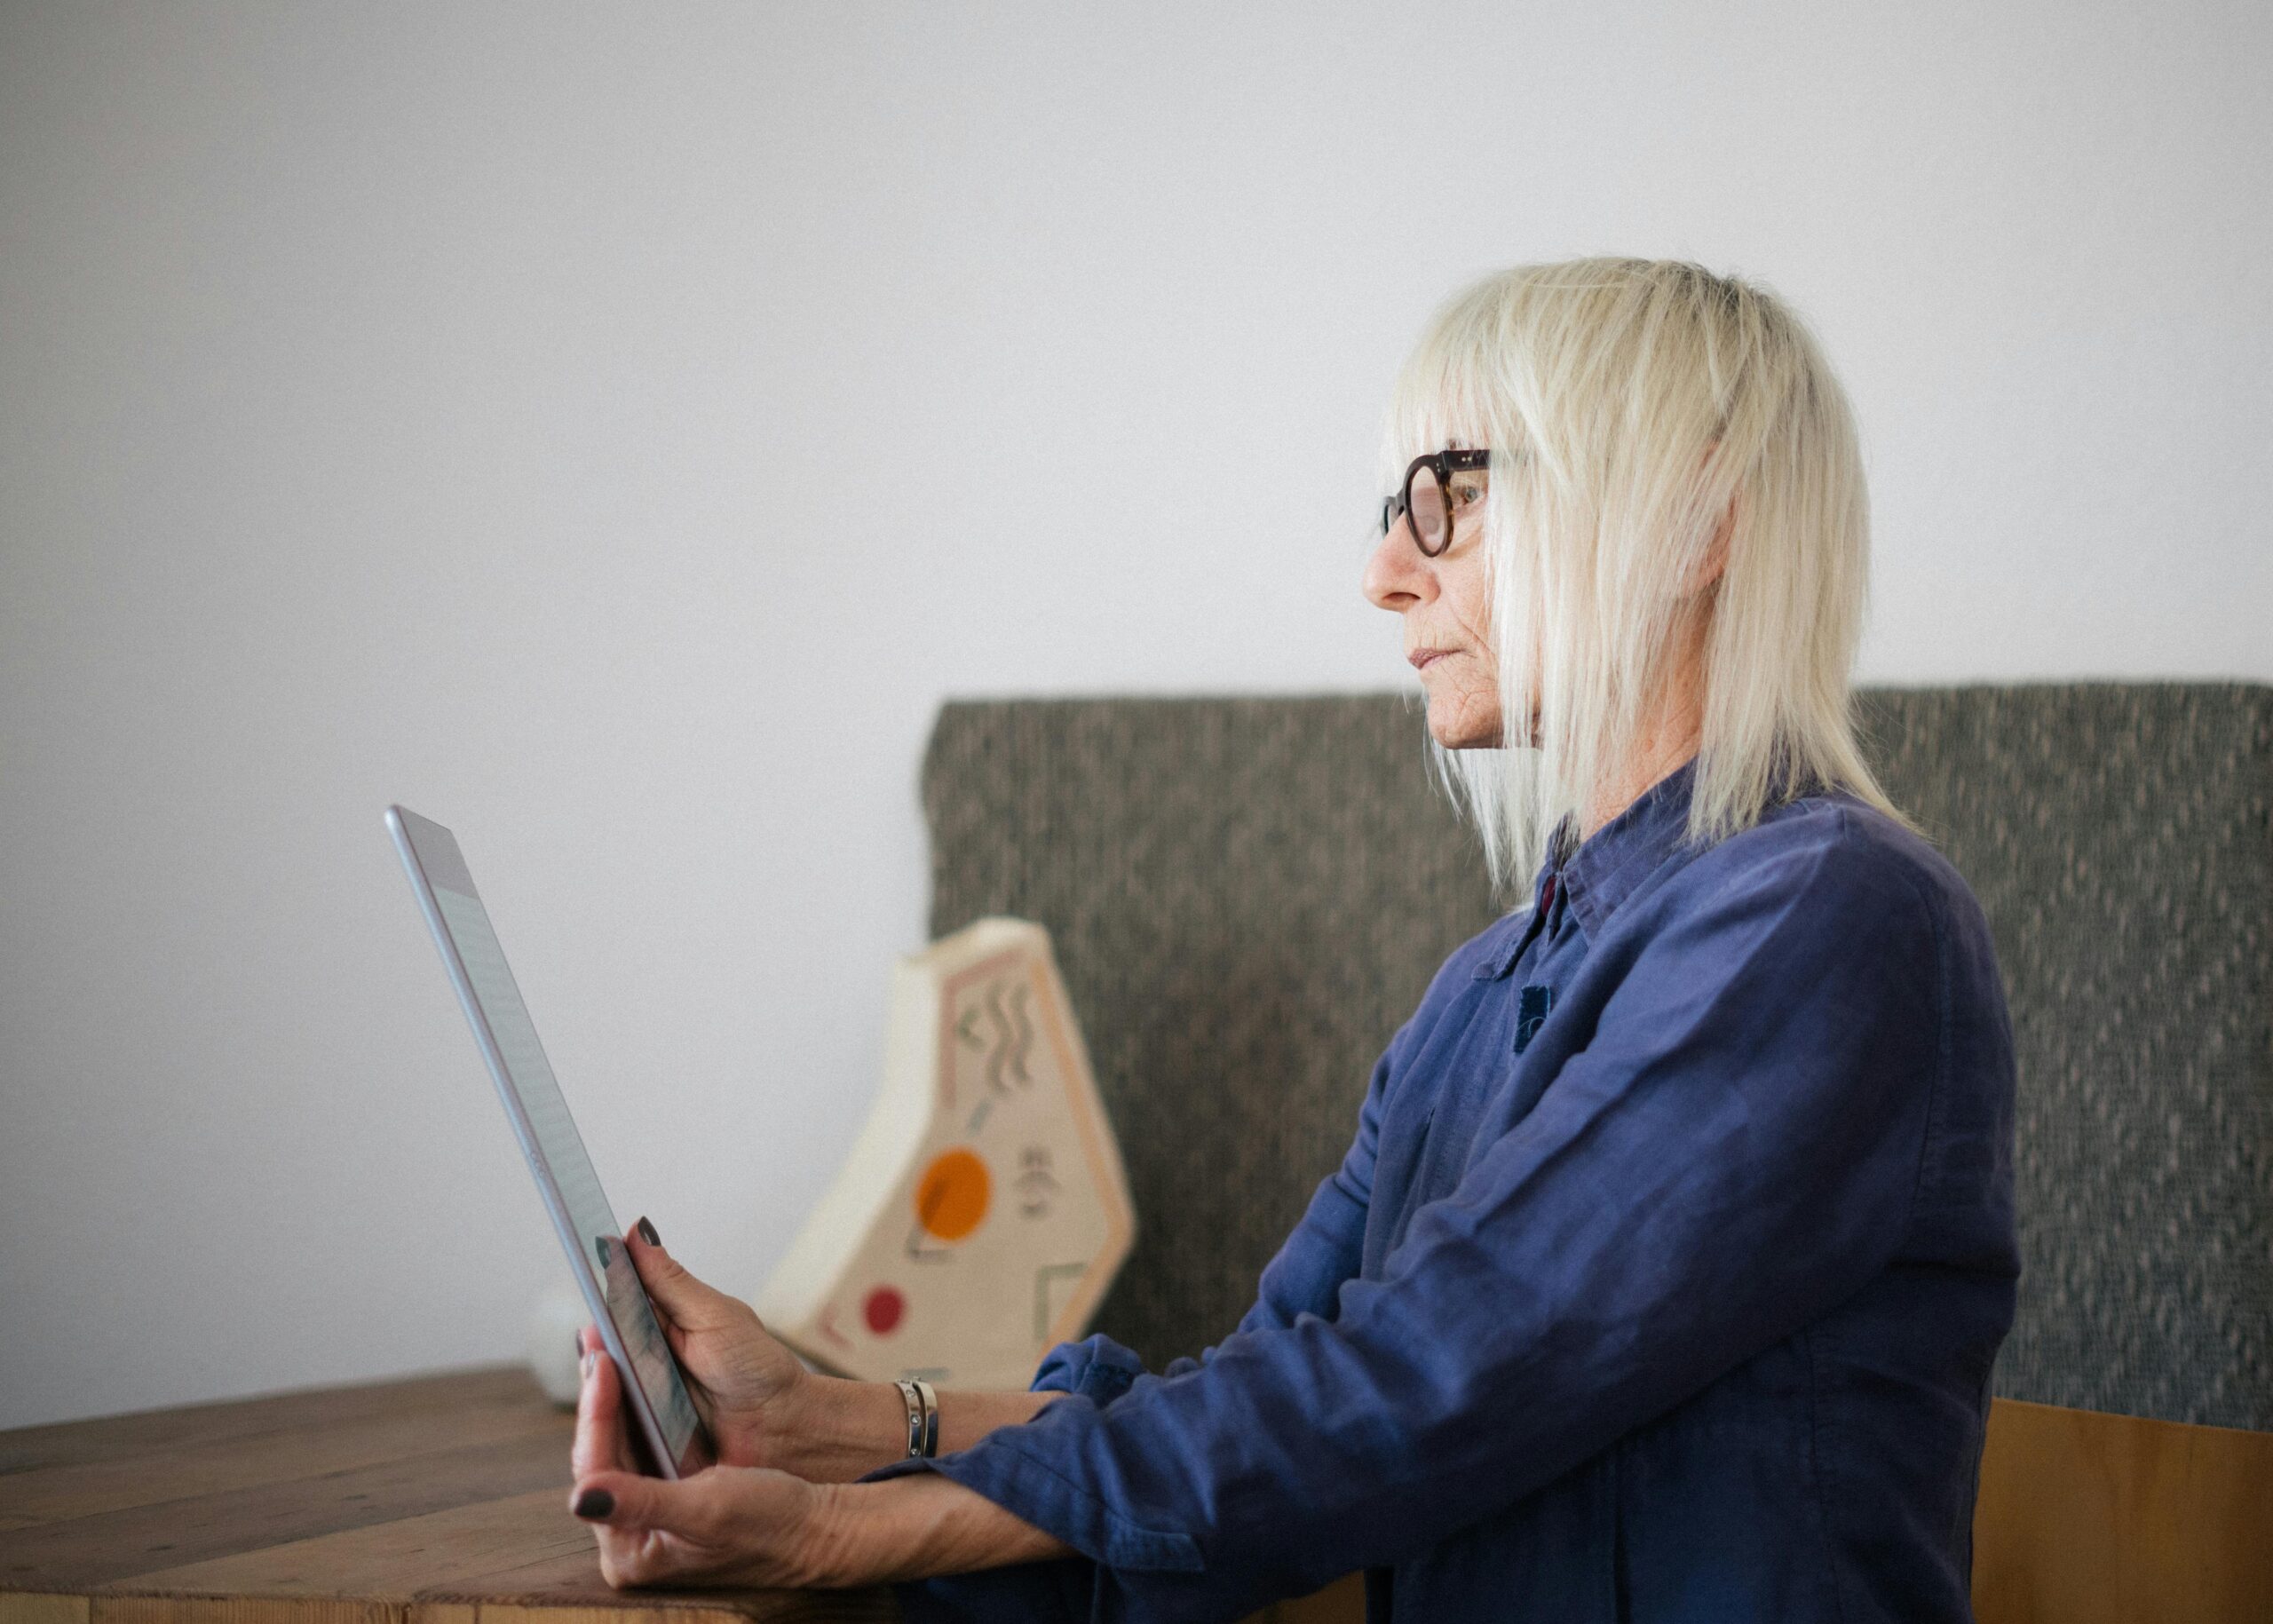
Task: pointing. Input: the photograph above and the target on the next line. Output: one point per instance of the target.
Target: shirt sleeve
(1734, 1152)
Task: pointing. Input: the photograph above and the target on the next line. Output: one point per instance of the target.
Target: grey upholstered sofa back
(1248, 895)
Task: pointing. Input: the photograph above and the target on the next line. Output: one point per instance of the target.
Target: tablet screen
(555, 1149)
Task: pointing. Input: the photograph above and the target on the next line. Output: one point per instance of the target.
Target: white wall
(613, 430)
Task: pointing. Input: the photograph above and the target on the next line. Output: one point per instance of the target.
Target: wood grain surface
(440, 1500)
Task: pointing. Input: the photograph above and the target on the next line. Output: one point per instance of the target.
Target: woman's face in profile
(1445, 609)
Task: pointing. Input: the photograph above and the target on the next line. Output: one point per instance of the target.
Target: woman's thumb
(678, 1294)
(631, 1502)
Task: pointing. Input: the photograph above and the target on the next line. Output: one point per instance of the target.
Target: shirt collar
(1605, 868)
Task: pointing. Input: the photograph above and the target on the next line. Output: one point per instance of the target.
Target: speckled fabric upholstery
(1248, 895)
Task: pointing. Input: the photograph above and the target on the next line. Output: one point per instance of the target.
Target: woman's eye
(1467, 493)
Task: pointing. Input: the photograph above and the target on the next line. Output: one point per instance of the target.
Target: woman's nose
(1396, 576)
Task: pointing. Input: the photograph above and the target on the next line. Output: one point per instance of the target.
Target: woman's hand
(754, 1525)
(747, 1386)
(726, 1525)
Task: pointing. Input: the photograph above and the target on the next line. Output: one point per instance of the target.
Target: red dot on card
(882, 1309)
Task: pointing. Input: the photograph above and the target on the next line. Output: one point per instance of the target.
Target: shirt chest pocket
(1426, 1147)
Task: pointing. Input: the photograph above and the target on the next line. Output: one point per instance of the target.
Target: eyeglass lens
(1424, 503)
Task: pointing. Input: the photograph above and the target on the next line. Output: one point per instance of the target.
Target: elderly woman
(1664, 1274)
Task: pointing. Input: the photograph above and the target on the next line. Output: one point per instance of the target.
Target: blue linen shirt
(1662, 1280)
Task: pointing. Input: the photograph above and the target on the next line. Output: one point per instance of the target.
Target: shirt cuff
(1096, 1368)
(1029, 1488)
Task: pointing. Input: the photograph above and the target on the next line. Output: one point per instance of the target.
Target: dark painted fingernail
(648, 1233)
(599, 1245)
(594, 1504)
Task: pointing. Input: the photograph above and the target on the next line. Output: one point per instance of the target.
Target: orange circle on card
(951, 1197)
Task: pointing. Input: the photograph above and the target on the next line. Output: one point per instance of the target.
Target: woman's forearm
(917, 1527)
(845, 1430)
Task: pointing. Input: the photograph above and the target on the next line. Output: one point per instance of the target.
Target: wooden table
(441, 1500)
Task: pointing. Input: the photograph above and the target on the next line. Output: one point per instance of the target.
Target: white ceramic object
(560, 1314)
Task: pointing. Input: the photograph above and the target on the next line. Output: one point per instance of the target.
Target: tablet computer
(663, 1416)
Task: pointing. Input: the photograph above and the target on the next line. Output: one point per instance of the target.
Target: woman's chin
(1463, 726)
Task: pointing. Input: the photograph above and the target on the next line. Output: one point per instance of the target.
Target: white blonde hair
(1628, 404)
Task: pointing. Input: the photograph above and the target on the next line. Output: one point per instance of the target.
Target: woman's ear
(1714, 562)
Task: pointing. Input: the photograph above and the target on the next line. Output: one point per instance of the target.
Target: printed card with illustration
(983, 1209)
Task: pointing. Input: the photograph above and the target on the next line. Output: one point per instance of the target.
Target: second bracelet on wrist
(923, 1418)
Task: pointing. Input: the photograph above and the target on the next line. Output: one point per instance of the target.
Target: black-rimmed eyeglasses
(1454, 485)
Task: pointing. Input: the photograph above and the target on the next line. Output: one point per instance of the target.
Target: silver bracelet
(923, 1419)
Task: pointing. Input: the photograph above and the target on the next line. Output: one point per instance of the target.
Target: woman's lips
(1422, 658)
